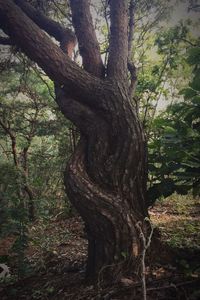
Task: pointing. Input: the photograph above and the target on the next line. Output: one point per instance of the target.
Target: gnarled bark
(106, 182)
(106, 176)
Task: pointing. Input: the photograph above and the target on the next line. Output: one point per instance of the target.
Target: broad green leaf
(188, 93)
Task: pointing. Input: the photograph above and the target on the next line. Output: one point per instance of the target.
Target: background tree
(32, 159)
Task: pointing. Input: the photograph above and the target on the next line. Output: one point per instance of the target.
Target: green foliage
(174, 148)
(35, 143)
(30, 119)
(163, 70)
(193, 56)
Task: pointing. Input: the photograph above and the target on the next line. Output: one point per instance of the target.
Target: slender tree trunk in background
(24, 189)
(31, 203)
(107, 174)
(26, 186)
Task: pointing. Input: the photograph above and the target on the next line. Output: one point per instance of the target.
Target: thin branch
(189, 42)
(62, 11)
(8, 131)
(118, 50)
(133, 72)
(85, 32)
(44, 81)
(4, 151)
(146, 28)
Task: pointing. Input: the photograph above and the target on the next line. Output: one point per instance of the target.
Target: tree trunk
(106, 177)
(106, 182)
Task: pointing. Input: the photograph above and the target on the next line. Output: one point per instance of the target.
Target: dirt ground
(54, 262)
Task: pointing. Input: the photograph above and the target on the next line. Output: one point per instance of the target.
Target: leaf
(188, 93)
(195, 84)
(193, 56)
(196, 100)
(164, 188)
(169, 130)
(192, 164)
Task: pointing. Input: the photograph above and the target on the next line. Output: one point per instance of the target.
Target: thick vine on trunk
(106, 176)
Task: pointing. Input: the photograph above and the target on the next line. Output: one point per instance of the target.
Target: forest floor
(54, 263)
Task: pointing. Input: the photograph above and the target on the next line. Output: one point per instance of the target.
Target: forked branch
(88, 44)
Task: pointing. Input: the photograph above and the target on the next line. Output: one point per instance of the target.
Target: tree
(107, 174)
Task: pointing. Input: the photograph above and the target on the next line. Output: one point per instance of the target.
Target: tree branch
(118, 54)
(61, 34)
(131, 28)
(133, 72)
(131, 67)
(80, 115)
(78, 83)
(88, 44)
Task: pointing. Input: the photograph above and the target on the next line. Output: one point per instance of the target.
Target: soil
(55, 259)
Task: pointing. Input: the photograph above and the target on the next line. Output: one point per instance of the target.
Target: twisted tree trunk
(106, 182)
(106, 176)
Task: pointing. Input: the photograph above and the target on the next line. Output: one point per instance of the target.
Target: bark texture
(106, 176)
